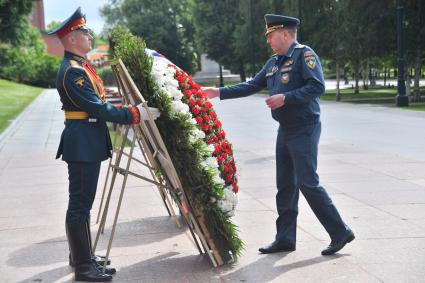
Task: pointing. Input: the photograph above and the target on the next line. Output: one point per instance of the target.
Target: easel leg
(108, 199)
(114, 225)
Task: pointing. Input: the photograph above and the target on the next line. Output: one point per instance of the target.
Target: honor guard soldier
(85, 141)
(294, 78)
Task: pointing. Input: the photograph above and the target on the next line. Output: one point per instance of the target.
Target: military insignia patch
(308, 53)
(285, 78)
(79, 82)
(274, 69)
(310, 62)
(289, 62)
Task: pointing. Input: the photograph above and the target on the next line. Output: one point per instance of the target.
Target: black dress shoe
(338, 245)
(100, 259)
(108, 270)
(276, 247)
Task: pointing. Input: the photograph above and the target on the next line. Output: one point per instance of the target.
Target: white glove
(144, 114)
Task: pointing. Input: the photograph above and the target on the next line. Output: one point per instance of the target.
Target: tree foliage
(14, 19)
(166, 26)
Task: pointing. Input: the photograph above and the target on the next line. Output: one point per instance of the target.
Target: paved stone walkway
(379, 192)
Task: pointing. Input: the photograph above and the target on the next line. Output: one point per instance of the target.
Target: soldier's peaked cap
(75, 22)
(274, 22)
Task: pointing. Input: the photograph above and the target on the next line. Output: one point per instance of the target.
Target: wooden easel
(146, 135)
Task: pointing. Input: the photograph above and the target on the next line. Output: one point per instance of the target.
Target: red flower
(229, 178)
(217, 123)
(213, 115)
(195, 111)
(187, 94)
(235, 187)
(208, 104)
(191, 102)
(199, 102)
(205, 128)
(198, 120)
(220, 159)
(207, 119)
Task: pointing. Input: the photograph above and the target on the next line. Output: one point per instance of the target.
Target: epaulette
(74, 64)
(299, 46)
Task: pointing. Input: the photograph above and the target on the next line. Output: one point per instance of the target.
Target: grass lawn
(118, 140)
(348, 94)
(14, 98)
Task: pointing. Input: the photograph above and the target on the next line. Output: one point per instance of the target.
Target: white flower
(229, 201)
(211, 162)
(210, 148)
(179, 107)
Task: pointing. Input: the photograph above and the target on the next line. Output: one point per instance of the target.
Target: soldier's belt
(79, 115)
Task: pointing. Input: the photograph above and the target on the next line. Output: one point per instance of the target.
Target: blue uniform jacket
(80, 89)
(298, 75)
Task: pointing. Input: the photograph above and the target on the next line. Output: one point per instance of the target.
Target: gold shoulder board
(74, 64)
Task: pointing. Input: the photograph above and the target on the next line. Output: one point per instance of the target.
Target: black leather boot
(98, 260)
(85, 267)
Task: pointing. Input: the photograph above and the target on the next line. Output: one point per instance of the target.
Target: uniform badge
(274, 69)
(308, 53)
(310, 61)
(79, 82)
(289, 62)
(285, 78)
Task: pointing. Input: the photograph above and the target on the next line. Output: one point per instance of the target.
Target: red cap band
(75, 24)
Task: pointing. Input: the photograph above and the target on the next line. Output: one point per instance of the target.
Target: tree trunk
(365, 76)
(385, 76)
(242, 73)
(418, 67)
(356, 77)
(338, 93)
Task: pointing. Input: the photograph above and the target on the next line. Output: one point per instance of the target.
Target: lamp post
(401, 98)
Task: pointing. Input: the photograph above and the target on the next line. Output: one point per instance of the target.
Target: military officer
(85, 141)
(294, 78)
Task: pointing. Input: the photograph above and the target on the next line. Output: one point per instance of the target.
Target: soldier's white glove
(144, 114)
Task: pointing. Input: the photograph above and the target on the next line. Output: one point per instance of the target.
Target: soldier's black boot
(85, 267)
(99, 260)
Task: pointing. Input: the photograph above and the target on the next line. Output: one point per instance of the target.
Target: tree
(215, 23)
(13, 19)
(166, 26)
(415, 34)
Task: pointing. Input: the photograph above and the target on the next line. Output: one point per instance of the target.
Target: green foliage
(14, 19)
(53, 24)
(13, 99)
(185, 155)
(166, 26)
(28, 61)
(106, 75)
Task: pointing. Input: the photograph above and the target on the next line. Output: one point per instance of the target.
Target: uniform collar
(73, 56)
(291, 49)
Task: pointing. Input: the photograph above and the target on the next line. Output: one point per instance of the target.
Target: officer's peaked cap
(274, 22)
(75, 22)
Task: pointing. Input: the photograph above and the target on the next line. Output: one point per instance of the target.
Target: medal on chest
(285, 78)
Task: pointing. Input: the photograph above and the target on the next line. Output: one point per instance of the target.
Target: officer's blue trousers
(83, 177)
(296, 165)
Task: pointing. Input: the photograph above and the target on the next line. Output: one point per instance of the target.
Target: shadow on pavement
(127, 234)
(266, 270)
